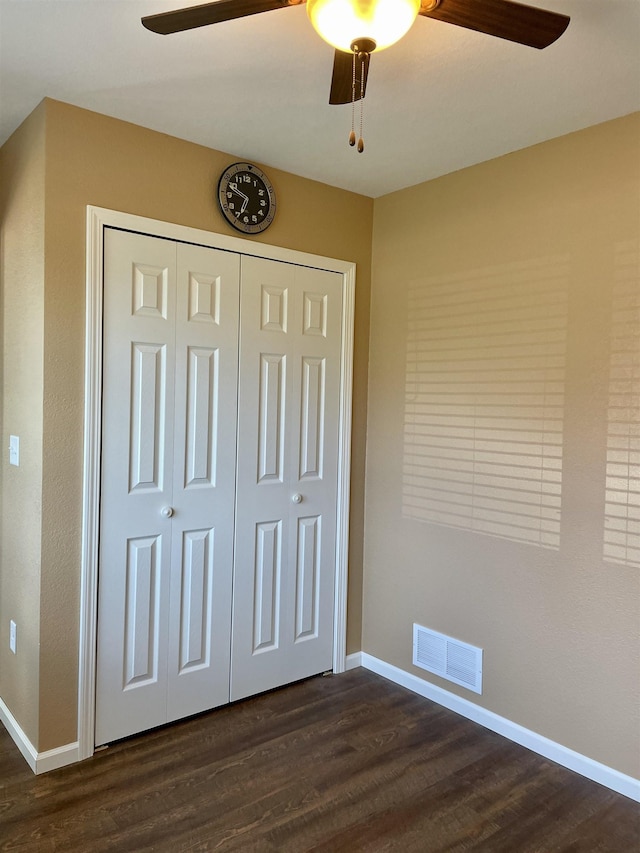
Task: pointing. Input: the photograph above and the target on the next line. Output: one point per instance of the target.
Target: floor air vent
(451, 659)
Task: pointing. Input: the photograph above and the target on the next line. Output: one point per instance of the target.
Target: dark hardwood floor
(343, 763)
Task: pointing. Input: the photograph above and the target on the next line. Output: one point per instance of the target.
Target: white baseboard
(353, 661)
(20, 739)
(39, 762)
(52, 759)
(581, 764)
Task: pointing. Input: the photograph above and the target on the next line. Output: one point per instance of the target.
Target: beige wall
(92, 159)
(22, 176)
(559, 623)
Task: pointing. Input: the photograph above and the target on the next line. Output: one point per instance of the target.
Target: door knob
(297, 498)
(166, 511)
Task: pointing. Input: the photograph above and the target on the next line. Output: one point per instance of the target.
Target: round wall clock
(246, 197)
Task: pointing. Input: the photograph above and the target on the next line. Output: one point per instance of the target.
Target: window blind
(484, 397)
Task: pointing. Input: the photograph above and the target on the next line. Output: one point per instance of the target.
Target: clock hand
(244, 197)
(234, 188)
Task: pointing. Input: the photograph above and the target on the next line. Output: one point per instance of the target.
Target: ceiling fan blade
(342, 77)
(502, 18)
(211, 13)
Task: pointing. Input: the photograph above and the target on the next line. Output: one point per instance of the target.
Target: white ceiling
(441, 99)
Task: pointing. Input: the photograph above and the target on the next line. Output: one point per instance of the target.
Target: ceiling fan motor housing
(363, 46)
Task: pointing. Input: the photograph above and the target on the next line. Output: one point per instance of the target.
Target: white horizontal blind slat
(484, 398)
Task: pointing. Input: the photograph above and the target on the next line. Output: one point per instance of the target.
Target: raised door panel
(312, 405)
(195, 610)
(307, 578)
(142, 612)
(266, 586)
(271, 417)
(201, 416)
(148, 416)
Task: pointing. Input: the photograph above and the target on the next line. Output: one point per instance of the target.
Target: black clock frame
(247, 184)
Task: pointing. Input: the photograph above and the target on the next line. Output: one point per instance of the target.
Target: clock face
(247, 198)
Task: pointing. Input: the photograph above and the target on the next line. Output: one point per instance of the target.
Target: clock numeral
(254, 218)
(261, 213)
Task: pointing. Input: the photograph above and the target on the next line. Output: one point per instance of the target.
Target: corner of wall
(22, 164)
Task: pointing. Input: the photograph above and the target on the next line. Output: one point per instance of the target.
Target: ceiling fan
(376, 24)
(355, 28)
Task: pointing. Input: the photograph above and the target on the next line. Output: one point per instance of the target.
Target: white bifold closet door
(168, 482)
(221, 383)
(288, 415)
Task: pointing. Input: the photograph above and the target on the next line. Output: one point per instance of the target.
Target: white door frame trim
(97, 220)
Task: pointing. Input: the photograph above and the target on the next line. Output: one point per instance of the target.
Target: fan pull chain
(361, 57)
(352, 135)
(362, 50)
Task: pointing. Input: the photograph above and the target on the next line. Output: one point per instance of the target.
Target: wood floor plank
(348, 763)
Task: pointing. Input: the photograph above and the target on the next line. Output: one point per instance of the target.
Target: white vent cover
(451, 659)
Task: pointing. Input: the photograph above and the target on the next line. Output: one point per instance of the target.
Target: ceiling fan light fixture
(341, 22)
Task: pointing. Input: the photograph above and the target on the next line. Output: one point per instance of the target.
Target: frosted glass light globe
(340, 22)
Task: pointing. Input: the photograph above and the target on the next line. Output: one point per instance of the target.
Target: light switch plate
(14, 450)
